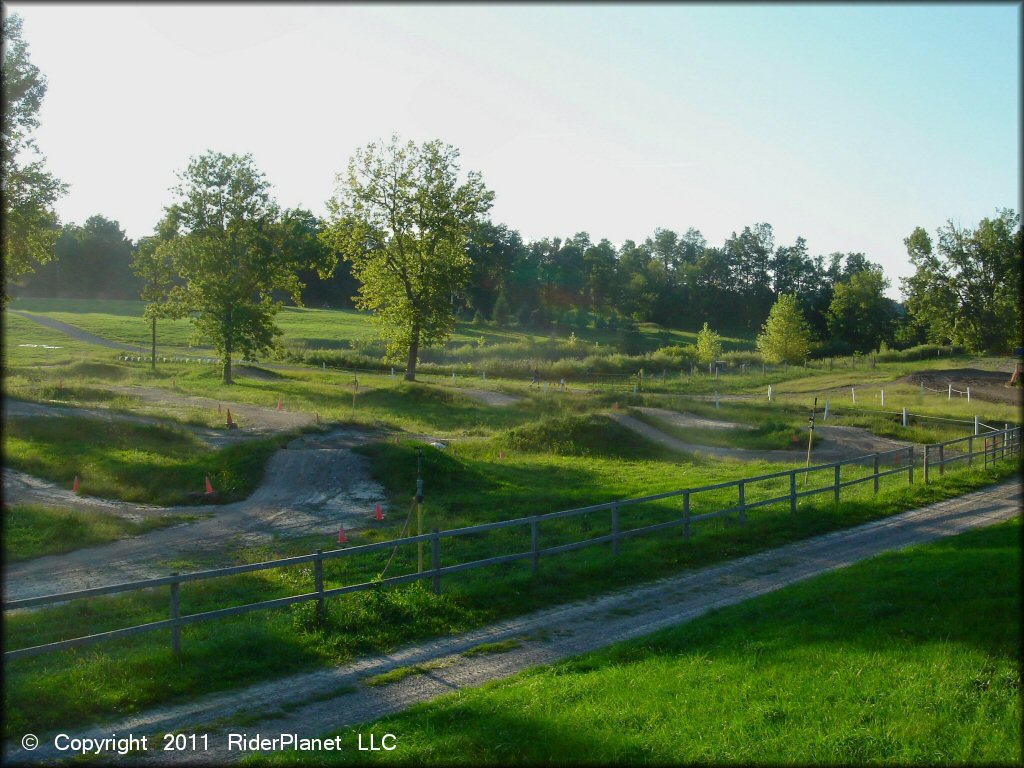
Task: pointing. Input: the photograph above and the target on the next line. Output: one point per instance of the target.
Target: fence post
(825, 415)
(435, 560)
(792, 491)
(968, 394)
(876, 473)
(769, 393)
(716, 398)
(853, 394)
(950, 392)
(838, 466)
(910, 469)
(535, 544)
(942, 460)
(686, 515)
(975, 424)
(883, 398)
(743, 503)
(970, 451)
(615, 529)
(904, 417)
(318, 578)
(175, 615)
(926, 464)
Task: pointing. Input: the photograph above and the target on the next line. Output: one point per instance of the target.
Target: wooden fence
(998, 446)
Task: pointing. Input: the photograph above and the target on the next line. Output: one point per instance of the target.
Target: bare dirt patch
(991, 386)
(690, 420)
(489, 397)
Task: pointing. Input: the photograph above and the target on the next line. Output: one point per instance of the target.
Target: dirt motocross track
(991, 386)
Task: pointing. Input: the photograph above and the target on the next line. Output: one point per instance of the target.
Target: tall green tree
(153, 262)
(709, 345)
(28, 191)
(231, 252)
(785, 336)
(967, 291)
(403, 219)
(861, 316)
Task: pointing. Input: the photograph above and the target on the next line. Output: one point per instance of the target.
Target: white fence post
(853, 394)
(904, 416)
(825, 416)
(968, 394)
(883, 398)
(950, 392)
(975, 425)
(769, 393)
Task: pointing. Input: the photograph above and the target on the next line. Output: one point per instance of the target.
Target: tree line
(407, 236)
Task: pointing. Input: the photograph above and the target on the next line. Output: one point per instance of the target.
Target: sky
(848, 125)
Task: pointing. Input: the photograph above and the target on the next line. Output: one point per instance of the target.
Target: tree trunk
(153, 366)
(414, 351)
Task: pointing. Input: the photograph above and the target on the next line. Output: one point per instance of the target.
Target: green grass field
(912, 657)
(474, 486)
(33, 531)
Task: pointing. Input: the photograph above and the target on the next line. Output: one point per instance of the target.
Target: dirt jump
(312, 487)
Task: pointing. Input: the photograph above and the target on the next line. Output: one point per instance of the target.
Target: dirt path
(691, 420)
(313, 703)
(487, 396)
(992, 386)
(843, 443)
(312, 487)
(76, 333)
(21, 409)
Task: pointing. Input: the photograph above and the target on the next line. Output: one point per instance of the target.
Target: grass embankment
(768, 435)
(472, 486)
(33, 531)
(910, 657)
(132, 462)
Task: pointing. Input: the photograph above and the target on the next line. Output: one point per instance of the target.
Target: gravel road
(313, 703)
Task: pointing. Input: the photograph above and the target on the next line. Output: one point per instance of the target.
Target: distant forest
(678, 281)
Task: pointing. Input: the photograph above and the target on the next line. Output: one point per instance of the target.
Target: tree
(709, 345)
(501, 311)
(230, 250)
(785, 337)
(153, 262)
(28, 191)
(403, 220)
(967, 292)
(860, 315)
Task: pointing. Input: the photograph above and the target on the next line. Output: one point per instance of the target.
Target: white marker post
(716, 398)
(950, 391)
(883, 398)
(769, 393)
(968, 394)
(853, 394)
(904, 416)
(825, 415)
(485, 375)
(975, 426)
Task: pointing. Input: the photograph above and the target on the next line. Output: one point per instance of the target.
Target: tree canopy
(231, 251)
(29, 192)
(402, 218)
(785, 337)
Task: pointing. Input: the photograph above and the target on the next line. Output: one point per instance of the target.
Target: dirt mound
(990, 386)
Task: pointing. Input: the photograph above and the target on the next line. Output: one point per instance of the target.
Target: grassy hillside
(911, 657)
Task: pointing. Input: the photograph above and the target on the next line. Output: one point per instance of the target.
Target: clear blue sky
(846, 124)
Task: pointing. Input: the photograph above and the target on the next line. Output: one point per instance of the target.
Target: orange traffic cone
(342, 538)
(209, 485)
(380, 513)
(74, 485)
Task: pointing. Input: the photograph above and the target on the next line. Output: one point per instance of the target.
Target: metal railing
(902, 462)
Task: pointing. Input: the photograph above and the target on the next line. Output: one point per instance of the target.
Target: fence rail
(997, 446)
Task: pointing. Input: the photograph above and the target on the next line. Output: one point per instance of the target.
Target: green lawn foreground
(910, 657)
